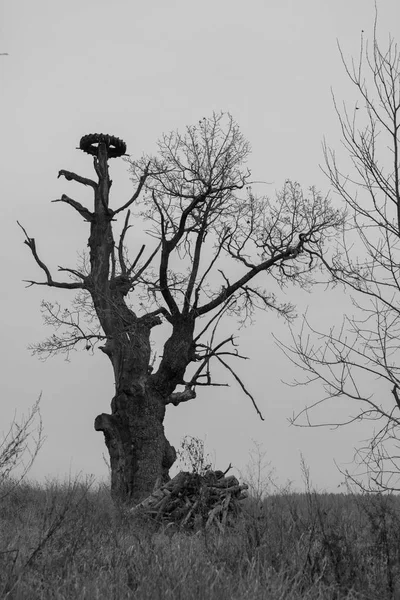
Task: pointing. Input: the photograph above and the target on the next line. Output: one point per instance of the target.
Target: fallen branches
(193, 500)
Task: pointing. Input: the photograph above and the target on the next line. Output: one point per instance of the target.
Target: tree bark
(140, 454)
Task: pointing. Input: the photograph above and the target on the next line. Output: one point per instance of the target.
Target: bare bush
(19, 448)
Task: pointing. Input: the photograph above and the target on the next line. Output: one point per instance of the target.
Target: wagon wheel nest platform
(192, 500)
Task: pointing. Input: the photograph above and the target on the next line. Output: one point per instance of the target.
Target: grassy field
(69, 541)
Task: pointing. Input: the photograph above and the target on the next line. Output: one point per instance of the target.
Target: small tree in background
(214, 243)
(361, 359)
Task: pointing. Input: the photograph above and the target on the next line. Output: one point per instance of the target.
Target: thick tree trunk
(140, 454)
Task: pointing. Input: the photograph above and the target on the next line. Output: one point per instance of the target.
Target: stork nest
(90, 144)
(192, 500)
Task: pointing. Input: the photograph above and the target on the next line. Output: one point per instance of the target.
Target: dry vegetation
(70, 541)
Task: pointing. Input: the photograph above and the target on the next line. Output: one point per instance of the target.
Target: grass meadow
(63, 541)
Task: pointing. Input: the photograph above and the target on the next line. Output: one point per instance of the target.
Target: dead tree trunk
(140, 455)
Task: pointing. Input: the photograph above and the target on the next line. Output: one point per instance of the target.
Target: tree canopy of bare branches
(215, 248)
(360, 359)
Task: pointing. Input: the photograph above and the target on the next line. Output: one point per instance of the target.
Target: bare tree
(211, 237)
(361, 359)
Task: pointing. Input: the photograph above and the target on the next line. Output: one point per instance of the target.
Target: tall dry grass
(68, 540)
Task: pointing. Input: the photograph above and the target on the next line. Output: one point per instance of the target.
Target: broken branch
(86, 214)
(69, 176)
(30, 242)
(178, 397)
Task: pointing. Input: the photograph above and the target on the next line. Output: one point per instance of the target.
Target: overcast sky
(135, 70)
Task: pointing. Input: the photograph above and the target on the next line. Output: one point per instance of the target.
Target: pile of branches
(192, 500)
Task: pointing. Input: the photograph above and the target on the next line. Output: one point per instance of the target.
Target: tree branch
(74, 272)
(142, 181)
(172, 243)
(84, 212)
(30, 242)
(69, 176)
(196, 261)
(152, 318)
(121, 244)
(177, 397)
(228, 291)
(165, 291)
(242, 386)
(142, 269)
